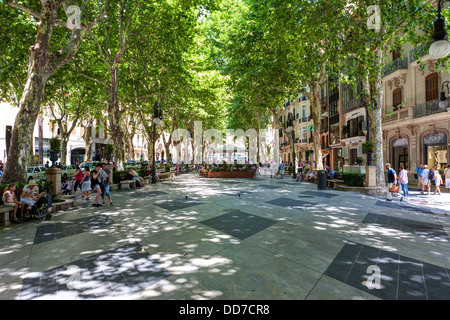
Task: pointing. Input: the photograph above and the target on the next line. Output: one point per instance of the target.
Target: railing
(427, 108)
(418, 51)
(352, 104)
(397, 64)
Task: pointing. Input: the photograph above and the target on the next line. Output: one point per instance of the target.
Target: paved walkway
(233, 239)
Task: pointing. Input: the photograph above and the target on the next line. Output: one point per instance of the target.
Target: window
(396, 98)
(396, 54)
(304, 113)
(431, 87)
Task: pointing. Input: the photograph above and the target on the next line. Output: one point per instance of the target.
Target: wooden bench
(5, 212)
(126, 183)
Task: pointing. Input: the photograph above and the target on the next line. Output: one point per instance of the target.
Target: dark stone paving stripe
(117, 272)
(423, 229)
(68, 228)
(401, 278)
(239, 224)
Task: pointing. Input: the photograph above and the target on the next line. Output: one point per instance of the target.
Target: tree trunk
(378, 114)
(316, 110)
(114, 115)
(22, 133)
(64, 141)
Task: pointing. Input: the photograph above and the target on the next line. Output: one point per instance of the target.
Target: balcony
(353, 104)
(398, 115)
(418, 52)
(427, 108)
(397, 64)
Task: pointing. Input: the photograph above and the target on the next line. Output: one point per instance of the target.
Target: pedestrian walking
(392, 181)
(78, 181)
(96, 182)
(447, 178)
(403, 182)
(418, 176)
(86, 186)
(426, 179)
(106, 180)
(437, 181)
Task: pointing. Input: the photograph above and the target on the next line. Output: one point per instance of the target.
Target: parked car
(38, 173)
(68, 171)
(131, 163)
(90, 164)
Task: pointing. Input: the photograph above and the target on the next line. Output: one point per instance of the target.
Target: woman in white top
(437, 181)
(447, 178)
(403, 181)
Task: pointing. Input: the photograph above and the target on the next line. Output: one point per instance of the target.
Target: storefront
(435, 149)
(400, 153)
(77, 156)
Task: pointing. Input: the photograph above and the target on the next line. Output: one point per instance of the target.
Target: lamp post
(157, 116)
(290, 128)
(441, 46)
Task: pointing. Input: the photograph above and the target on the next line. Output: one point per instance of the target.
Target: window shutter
(431, 87)
(396, 98)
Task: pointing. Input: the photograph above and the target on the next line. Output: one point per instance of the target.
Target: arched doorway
(400, 152)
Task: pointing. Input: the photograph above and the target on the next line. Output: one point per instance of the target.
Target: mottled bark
(316, 110)
(377, 119)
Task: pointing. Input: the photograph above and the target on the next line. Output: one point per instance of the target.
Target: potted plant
(108, 152)
(55, 147)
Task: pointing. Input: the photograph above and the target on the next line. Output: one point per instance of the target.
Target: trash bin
(322, 180)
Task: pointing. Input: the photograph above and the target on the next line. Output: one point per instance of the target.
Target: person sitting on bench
(134, 176)
(30, 194)
(310, 175)
(330, 173)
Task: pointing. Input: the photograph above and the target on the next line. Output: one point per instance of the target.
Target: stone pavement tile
(328, 288)
(248, 272)
(59, 252)
(181, 251)
(400, 277)
(177, 204)
(239, 224)
(118, 272)
(315, 249)
(171, 288)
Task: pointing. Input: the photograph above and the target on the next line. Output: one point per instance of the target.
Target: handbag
(394, 189)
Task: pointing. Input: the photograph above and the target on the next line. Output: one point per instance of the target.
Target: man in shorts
(105, 174)
(419, 171)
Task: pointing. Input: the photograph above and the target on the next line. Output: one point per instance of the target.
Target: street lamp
(441, 46)
(157, 120)
(290, 128)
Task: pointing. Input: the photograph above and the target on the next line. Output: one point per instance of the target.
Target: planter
(370, 158)
(231, 174)
(54, 155)
(108, 157)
